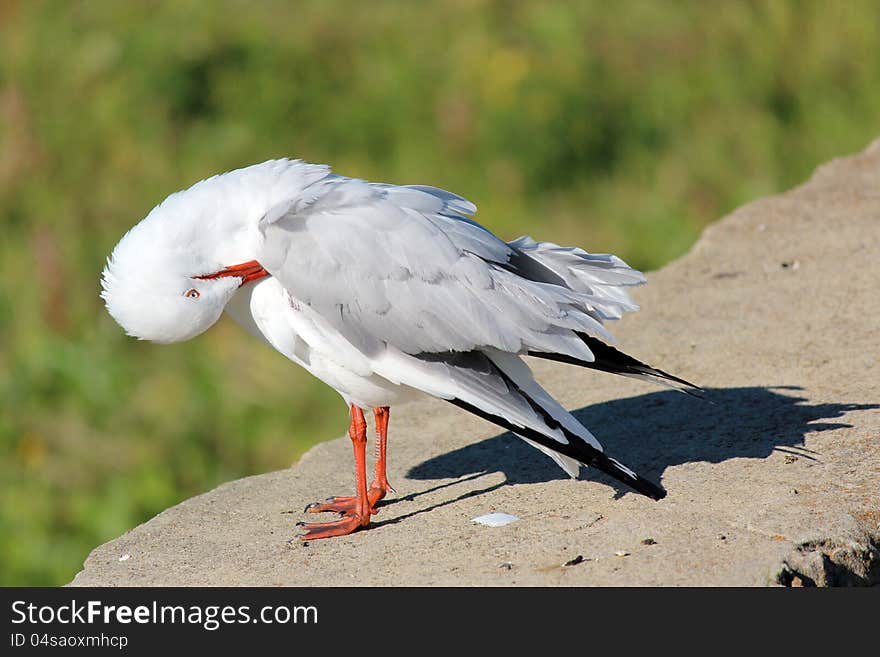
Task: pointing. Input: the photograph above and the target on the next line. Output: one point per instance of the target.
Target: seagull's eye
(192, 293)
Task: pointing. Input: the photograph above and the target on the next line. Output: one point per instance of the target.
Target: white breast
(267, 311)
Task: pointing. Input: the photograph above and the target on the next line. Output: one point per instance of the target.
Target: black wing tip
(653, 371)
(688, 388)
(576, 447)
(655, 492)
(612, 360)
(630, 478)
(648, 489)
(590, 457)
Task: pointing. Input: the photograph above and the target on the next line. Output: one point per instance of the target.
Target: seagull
(385, 293)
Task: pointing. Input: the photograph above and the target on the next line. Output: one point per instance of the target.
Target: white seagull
(383, 292)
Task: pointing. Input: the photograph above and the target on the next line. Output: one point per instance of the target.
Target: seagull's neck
(245, 195)
(225, 210)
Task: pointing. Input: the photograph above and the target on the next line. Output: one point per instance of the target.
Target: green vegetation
(622, 127)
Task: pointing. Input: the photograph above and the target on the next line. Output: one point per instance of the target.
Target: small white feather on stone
(495, 519)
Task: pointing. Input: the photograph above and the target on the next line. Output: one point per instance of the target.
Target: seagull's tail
(609, 359)
(580, 446)
(600, 280)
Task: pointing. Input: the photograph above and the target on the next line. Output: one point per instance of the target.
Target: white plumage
(382, 292)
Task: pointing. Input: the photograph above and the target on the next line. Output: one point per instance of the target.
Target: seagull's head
(170, 277)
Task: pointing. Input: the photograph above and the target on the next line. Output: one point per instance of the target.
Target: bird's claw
(349, 523)
(333, 505)
(346, 504)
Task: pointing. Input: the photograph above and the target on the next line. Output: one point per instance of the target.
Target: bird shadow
(652, 432)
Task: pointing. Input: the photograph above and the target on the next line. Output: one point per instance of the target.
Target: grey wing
(403, 266)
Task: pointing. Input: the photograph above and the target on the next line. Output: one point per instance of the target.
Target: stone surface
(776, 311)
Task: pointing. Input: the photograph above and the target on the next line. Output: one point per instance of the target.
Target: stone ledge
(775, 310)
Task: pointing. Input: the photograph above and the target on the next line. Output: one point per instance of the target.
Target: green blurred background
(618, 126)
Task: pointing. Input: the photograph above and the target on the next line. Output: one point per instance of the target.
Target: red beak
(246, 271)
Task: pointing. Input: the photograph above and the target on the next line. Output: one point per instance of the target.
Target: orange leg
(357, 514)
(378, 488)
(380, 481)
